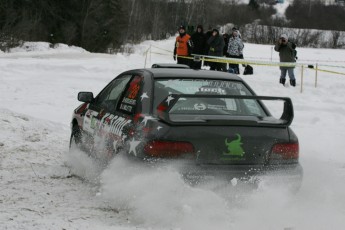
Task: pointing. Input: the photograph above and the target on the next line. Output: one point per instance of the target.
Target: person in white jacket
(235, 50)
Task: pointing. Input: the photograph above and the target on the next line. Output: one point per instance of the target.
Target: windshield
(207, 105)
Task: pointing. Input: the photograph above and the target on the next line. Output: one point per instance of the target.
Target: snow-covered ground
(281, 7)
(42, 186)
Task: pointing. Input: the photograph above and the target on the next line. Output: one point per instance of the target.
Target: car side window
(110, 96)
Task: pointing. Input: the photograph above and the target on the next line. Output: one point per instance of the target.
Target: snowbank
(43, 186)
(46, 47)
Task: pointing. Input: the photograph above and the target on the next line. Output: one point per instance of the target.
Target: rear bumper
(288, 175)
(285, 175)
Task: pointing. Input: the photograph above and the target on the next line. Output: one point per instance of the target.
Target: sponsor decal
(90, 121)
(134, 91)
(217, 107)
(200, 106)
(93, 122)
(107, 130)
(127, 108)
(116, 125)
(234, 148)
(134, 87)
(223, 84)
(112, 124)
(212, 90)
(129, 101)
(196, 85)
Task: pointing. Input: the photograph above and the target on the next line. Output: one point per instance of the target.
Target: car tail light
(168, 148)
(285, 151)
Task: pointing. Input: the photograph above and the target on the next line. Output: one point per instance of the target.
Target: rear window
(207, 86)
(206, 105)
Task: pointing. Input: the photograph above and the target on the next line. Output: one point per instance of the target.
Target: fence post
(316, 68)
(151, 54)
(302, 72)
(145, 58)
(146, 53)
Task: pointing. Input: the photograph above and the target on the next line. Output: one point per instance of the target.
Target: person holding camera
(287, 53)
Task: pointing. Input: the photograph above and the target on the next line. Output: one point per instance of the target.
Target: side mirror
(85, 97)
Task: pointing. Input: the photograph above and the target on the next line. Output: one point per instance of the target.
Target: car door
(101, 111)
(112, 110)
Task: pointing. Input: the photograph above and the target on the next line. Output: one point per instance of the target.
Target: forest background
(103, 25)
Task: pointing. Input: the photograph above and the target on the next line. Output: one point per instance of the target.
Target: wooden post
(151, 54)
(316, 68)
(147, 51)
(302, 72)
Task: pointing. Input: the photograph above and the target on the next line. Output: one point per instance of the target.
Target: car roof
(190, 73)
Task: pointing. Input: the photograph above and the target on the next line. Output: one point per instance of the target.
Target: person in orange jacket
(183, 47)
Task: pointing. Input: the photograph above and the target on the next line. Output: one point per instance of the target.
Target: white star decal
(146, 118)
(159, 127)
(144, 95)
(115, 144)
(132, 146)
(169, 99)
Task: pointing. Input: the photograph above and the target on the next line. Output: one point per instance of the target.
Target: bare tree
(335, 39)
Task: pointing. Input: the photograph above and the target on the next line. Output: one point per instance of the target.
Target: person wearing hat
(287, 53)
(199, 45)
(208, 34)
(183, 47)
(216, 43)
(235, 50)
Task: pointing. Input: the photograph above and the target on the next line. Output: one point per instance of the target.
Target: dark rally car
(212, 121)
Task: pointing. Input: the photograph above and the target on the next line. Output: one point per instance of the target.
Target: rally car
(211, 121)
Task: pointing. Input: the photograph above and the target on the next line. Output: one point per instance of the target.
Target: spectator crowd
(212, 43)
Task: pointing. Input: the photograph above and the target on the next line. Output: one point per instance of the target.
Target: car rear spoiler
(163, 112)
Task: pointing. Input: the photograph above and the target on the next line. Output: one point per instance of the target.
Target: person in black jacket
(216, 43)
(208, 34)
(225, 51)
(199, 45)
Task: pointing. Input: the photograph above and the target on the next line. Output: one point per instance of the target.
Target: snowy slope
(45, 187)
(281, 7)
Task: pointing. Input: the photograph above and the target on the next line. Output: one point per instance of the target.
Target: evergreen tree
(253, 4)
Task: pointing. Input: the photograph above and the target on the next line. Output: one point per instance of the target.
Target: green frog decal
(234, 147)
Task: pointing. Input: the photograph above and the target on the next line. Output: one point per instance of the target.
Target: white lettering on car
(117, 125)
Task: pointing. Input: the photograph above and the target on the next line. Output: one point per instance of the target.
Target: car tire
(76, 137)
